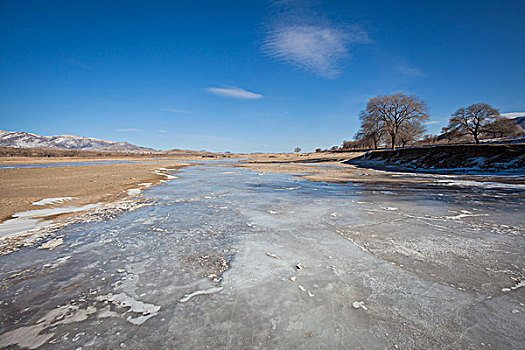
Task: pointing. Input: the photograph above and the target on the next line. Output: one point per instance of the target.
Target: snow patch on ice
(31, 337)
(52, 244)
(463, 214)
(133, 192)
(187, 297)
(271, 255)
(60, 261)
(470, 183)
(168, 176)
(359, 304)
(32, 219)
(288, 188)
(123, 300)
(57, 200)
(518, 285)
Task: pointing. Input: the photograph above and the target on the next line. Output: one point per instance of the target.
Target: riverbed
(232, 258)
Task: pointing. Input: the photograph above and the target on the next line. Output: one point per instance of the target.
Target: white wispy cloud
(172, 110)
(431, 122)
(234, 92)
(512, 114)
(162, 131)
(129, 130)
(309, 43)
(409, 70)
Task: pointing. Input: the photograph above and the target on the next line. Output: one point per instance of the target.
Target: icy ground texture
(229, 258)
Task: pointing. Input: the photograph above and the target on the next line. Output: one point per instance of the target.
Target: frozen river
(229, 258)
(85, 163)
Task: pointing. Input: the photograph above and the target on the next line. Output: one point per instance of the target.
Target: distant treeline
(391, 121)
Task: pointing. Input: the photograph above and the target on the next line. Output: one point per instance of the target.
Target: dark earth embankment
(462, 158)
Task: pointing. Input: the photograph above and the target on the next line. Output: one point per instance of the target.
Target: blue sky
(249, 76)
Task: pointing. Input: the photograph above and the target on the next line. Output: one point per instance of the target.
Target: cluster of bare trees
(392, 119)
(478, 121)
(398, 120)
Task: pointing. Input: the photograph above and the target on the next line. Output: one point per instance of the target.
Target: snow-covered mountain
(27, 140)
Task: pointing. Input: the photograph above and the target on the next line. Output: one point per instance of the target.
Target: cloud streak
(234, 92)
(129, 130)
(171, 110)
(409, 71)
(311, 44)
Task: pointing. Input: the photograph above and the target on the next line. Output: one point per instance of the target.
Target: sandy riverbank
(321, 167)
(327, 167)
(20, 188)
(40, 160)
(35, 202)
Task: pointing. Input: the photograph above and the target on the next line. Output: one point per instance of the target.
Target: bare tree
(473, 120)
(502, 127)
(371, 131)
(410, 131)
(393, 112)
(430, 139)
(450, 134)
(297, 149)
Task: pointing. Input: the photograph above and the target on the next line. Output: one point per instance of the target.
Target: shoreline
(329, 168)
(34, 202)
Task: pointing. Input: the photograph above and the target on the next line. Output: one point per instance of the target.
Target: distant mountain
(21, 139)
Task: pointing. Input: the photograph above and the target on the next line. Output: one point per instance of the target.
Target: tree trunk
(476, 139)
(393, 136)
